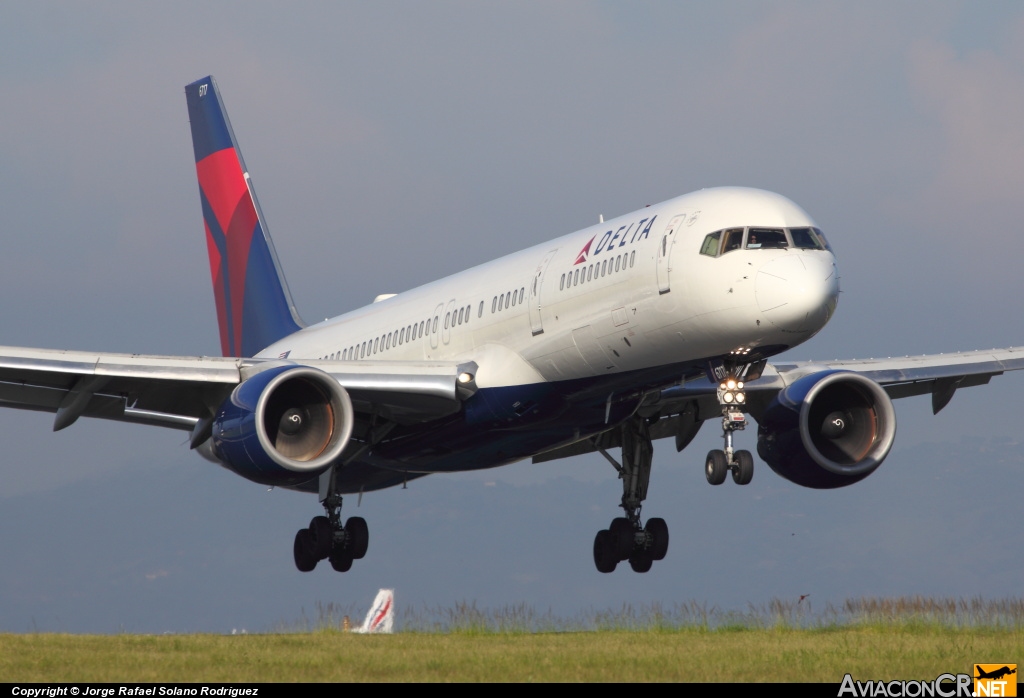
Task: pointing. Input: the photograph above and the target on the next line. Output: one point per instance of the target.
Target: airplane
(638, 328)
(995, 674)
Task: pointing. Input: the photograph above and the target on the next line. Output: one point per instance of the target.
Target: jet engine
(283, 426)
(827, 430)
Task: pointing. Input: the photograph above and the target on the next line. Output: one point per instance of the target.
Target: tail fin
(254, 305)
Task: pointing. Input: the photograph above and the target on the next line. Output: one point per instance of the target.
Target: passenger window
(710, 246)
(733, 240)
(376, 345)
(766, 239)
(447, 316)
(421, 325)
(480, 312)
(401, 336)
(576, 278)
(561, 285)
(508, 297)
(362, 350)
(604, 267)
(617, 261)
(458, 319)
(632, 258)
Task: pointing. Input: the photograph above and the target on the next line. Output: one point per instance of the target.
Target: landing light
(465, 377)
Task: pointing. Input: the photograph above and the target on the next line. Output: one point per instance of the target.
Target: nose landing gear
(719, 462)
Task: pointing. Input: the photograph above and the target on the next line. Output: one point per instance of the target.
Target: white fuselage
(630, 293)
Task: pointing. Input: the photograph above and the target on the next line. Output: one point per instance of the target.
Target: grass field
(890, 640)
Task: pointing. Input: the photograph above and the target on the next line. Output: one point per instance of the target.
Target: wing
(179, 392)
(683, 408)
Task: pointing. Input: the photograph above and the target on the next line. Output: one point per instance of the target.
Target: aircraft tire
(341, 560)
(302, 550)
(358, 537)
(622, 536)
(605, 558)
(641, 561)
(657, 529)
(322, 537)
(743, 473)
(716, 467)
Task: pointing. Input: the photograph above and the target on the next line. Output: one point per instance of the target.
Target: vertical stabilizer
(381, 618)
(254, 305)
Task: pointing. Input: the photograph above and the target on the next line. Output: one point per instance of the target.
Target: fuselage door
(435, 325)
(668, 239)
(536, 323)
(447, 321)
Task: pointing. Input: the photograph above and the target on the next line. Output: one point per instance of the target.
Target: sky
(393, 143)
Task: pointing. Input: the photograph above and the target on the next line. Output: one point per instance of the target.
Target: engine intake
(283, 426)
(827, 430)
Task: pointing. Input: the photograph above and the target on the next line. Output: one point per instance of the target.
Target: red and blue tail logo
(254, 306)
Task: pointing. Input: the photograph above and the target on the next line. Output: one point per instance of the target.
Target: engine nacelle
(283, 426)
(827, 430)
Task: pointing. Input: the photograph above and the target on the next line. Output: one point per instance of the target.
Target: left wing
(178, 392)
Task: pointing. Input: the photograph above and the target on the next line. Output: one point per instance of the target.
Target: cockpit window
(766, 238)
(821, 237)
(804, 239)
(710, 246)
(719, 242)
(733, 240)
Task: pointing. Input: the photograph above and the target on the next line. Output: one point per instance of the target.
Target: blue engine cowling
(826, 430)
(283, 426)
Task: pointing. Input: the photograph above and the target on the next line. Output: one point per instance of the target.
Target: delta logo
(584, 253)
(627, 234)
(995, 680)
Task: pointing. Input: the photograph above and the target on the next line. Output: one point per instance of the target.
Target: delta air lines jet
(638, 328)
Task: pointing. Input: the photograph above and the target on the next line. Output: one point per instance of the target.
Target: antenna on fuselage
(600, 218)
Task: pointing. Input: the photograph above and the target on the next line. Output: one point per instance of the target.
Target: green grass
(908, 638)
(617, 655)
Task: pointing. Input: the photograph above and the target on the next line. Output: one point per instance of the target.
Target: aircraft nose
(798, 292)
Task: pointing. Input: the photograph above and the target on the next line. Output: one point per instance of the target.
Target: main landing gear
(740, 463)
(626, 538)
(326, 538)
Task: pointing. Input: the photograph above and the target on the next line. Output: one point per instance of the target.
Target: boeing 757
(641, 327)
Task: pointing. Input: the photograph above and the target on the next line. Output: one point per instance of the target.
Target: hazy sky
(394, 143)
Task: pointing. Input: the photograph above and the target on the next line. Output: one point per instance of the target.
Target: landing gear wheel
(321, 537)
(623, 535)
(715, 467)
(305, 561)
(358, 535)
(641, 561)
(605, 557)
(743, 472)
(657, 531)
(341, 560)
